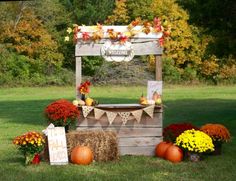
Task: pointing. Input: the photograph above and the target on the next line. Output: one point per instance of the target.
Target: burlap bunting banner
(111, 116)
(87, 110)
(149, 110)
(137, 114)
(124, 116)
(98, 113)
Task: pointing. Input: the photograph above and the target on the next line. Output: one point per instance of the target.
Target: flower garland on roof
(98, 33)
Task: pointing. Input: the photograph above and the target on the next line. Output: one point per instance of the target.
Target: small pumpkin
(89, 101)
(81, 155)
(155, 96)
(174, 154)
(161, 148)
(142, 99)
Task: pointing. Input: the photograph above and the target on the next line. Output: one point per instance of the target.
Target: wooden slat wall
(134, 138)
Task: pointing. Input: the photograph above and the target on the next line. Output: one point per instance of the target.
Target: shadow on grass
(198, 111)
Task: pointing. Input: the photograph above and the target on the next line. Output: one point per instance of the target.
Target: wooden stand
(134, 138)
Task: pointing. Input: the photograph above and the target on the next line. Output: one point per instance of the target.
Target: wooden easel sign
(57, 146)
(153, 86)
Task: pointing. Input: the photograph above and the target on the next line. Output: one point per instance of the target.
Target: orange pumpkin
(174, 154)
(81, 155)
(155, 96)
(161, 148)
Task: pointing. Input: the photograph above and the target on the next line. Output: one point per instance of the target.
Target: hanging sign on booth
(114, 51)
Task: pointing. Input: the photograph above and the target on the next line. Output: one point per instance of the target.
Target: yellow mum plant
(195, 141)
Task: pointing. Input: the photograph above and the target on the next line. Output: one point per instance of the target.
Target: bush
(90, 65)
(125, 73)
(20, 70)
(170, 72)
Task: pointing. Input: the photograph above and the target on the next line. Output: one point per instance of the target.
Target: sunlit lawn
(21, 110)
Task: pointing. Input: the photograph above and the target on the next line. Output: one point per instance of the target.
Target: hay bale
(104, 144)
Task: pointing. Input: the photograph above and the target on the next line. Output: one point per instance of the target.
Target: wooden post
(158, 67)
(78, 74)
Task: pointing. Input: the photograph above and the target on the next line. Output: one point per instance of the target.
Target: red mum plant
(61, 113)
(171, 132)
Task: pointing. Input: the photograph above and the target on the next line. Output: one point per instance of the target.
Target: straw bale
(104, 144)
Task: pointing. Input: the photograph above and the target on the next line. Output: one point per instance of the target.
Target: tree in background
(89, 12)
(120, 14)
(190, 48)
(183, 46)
(216, 18)
(29, 52)
(28, 37)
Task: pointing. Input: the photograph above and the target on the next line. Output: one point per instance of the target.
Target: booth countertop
(124, 106)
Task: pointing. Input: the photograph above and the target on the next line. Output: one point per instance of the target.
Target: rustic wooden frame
(133, 138)
(140, 48)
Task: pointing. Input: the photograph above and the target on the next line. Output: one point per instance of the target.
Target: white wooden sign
(57, 146)
(152, 87)
(114, 51)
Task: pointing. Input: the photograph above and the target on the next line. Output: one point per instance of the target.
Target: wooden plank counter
(134, 138)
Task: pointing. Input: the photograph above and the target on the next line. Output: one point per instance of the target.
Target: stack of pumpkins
(169, 151)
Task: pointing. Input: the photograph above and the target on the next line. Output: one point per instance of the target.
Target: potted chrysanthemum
(30, 144)
(194, 143)
(172, 131)
(62, 113)
(219, 134)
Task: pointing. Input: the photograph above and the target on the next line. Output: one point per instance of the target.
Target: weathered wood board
(144, 48)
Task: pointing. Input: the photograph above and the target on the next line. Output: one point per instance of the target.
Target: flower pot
(194, 157)
(36, 159)
(83, 97)
(218, 148)
(67, 127)
(32, 158)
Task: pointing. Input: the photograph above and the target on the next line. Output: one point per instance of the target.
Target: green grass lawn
(21, 110)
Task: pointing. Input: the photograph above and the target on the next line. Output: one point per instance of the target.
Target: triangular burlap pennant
(111, 116)
(124, 116)
(149, 110)
(87, 110)
(137, 114)
(98, 113)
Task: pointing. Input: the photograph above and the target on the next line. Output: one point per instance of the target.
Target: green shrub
(90, 65)
(171, 73)
(20, 70)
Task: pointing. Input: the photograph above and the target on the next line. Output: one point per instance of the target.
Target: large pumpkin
(174, 154)
(161, 148)
(81, 155)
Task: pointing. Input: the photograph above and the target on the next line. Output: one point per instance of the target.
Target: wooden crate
(134, 138)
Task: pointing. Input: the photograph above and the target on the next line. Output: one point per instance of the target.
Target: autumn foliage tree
(120, 14)
(29, 38)
(186, 51)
